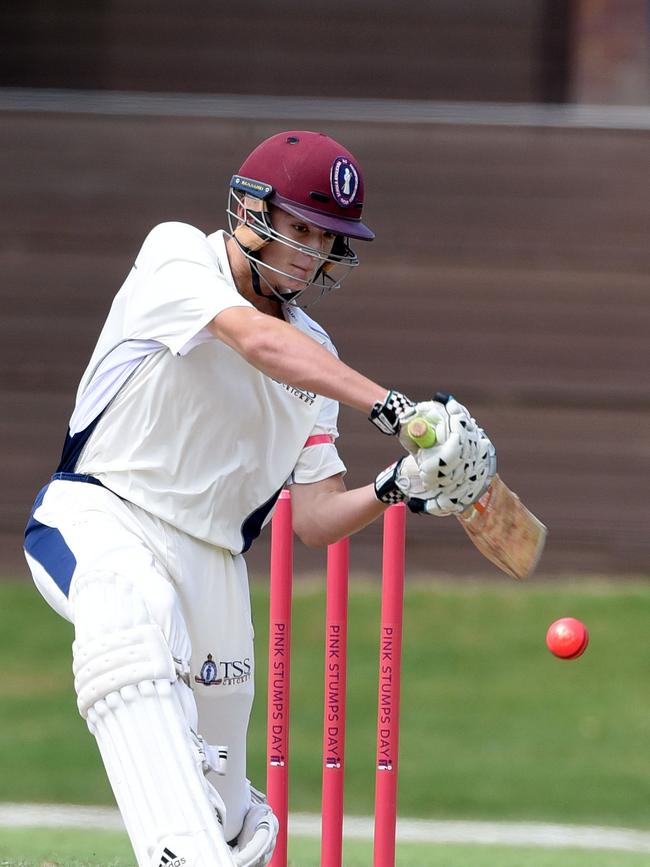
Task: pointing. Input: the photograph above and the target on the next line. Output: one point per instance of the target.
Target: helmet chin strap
(257, 278)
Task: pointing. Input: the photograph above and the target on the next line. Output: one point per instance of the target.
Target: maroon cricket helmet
(312, 177)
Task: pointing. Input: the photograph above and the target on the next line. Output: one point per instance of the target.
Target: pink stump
(390, 661)
(336, 628)
(277, 771)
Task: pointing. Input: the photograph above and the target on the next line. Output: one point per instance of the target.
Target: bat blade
(505, 531)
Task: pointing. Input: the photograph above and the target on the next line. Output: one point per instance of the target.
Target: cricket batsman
(210, 390)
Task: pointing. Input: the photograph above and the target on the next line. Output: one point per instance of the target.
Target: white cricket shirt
(170, 418)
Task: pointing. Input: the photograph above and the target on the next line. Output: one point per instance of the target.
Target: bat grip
(422, 433)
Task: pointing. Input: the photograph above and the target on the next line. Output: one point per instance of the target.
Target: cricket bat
(498, 523)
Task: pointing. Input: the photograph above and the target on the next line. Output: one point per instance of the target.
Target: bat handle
(422, 433)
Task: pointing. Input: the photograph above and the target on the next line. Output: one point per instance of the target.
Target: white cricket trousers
(198, 594)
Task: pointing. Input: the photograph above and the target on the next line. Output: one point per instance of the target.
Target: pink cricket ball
(567, 638)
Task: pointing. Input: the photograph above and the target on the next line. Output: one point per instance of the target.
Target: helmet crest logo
(344, 181)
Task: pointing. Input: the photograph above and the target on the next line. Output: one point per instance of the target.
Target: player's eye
(300, 228)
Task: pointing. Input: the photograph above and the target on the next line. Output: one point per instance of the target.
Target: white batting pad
(144, 720)
(157, 777)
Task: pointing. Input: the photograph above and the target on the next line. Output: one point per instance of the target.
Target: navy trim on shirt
(73, 446)
(252, 525)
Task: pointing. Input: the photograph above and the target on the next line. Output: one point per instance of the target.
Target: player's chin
(289, 286)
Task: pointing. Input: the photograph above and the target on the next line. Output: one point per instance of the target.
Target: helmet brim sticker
(254, 188)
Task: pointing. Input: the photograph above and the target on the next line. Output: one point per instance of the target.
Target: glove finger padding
(256, 840)
(407, 480)
(418, 498)
(441, 464)
(400, 481)
(455, 498)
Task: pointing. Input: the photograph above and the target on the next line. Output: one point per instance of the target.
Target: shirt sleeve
(319, 458)
(180, 287)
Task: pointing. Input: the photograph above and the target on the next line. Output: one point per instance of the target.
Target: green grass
(30, 846)
(493, 726)
(34, 848)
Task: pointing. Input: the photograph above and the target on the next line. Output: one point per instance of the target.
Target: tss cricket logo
(233, 671)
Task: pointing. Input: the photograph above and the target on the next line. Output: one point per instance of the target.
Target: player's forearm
(305, 364)
(333, 515)
(286, 354)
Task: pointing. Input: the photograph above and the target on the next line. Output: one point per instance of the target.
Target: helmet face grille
(249, 222)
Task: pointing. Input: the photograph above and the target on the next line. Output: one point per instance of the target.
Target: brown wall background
(510, 267)
(492, 49)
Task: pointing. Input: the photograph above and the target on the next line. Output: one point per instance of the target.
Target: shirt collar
(217, 241)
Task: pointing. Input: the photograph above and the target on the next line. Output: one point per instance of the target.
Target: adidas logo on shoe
(170, 860)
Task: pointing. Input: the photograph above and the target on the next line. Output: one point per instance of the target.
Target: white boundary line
(536, 834)
(260, 107)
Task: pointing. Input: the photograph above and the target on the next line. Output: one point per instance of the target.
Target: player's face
(295, 263)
